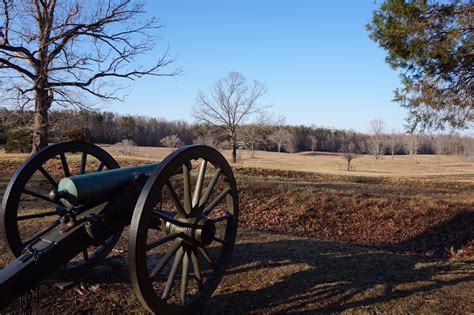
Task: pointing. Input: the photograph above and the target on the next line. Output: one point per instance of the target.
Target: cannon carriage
(66, 207)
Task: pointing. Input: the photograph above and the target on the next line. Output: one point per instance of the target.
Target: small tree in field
(376, 147)
(282, 138)
(348, 152)
(171, 142)
(230, 102)
(126, 146)
(313, 141)
(412, 145)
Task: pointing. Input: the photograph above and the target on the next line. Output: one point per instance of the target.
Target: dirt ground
(319, 243)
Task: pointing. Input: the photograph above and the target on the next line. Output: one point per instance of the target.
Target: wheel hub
(196, 229)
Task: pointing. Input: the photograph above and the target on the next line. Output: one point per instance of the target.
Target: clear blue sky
(315, 58)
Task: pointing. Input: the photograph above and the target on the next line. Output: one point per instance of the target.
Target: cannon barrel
(77, 190)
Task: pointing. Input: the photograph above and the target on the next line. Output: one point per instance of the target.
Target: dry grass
(333, 163)
(364, 165)
(325, 163)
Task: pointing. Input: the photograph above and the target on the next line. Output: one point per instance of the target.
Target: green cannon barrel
(79, 189)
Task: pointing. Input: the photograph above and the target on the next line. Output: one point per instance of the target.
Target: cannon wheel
(19, 188)
(170, 220)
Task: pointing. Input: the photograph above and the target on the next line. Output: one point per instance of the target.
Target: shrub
(18, 140)
(78, 134)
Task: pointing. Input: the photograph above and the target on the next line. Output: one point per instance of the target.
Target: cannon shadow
(308, 276)
(281, 274)
(440, 240)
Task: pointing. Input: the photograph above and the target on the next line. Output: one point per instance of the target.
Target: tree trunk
(252, 154)
(40, 119)
(234, 150)
(279, 148)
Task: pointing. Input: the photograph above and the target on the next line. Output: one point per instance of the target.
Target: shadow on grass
(442, 239)
(311, 276)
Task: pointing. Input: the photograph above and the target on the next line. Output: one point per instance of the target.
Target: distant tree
(281, 137)
(78, 134)
(255, 133)
(431, 42)
(314, 142)
(393, 143)
(62, 52)
(126, 147)
(18, 140)
(230, 102)
(468, 148)
(412, 145)
(171, 142)
(207, 139)
(252, 135)
(376, 147)
(348, 152)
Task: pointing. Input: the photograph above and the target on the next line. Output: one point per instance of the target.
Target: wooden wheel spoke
(39, 215)
(196, 267)
(207, 256)
(187, 187)
(66, 170)
(48, 177)
(220, 240)
(199, 182)
(39, 196)
(85, 255)
(161, 241)
(210, 187)
(174, 197)
(100, 167)
(168, 216)
(184, 277)
(82, 168)
(216, 201)
(172, 276)
(176, 245)
(222, 218)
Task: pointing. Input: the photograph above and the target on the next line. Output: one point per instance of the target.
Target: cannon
(67, 205)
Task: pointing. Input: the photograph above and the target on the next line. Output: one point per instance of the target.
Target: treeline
(111, 128)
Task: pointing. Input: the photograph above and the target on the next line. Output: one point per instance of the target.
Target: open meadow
(332, 163)
(391, 236)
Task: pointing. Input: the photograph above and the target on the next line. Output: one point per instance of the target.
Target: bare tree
(283, 138)
(314, 142)
(376, 140)
(230, 102)
(252, 135)
(126, 147)
(207, 139)
(66, 52)
(171, 142)
(393, 143)
(255, 133)
(412, 145)
(348, 152)
(468, 148)
(440, 143)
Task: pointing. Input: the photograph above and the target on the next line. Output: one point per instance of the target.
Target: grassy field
(333, 163)
(393, 236)
(326, 163)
